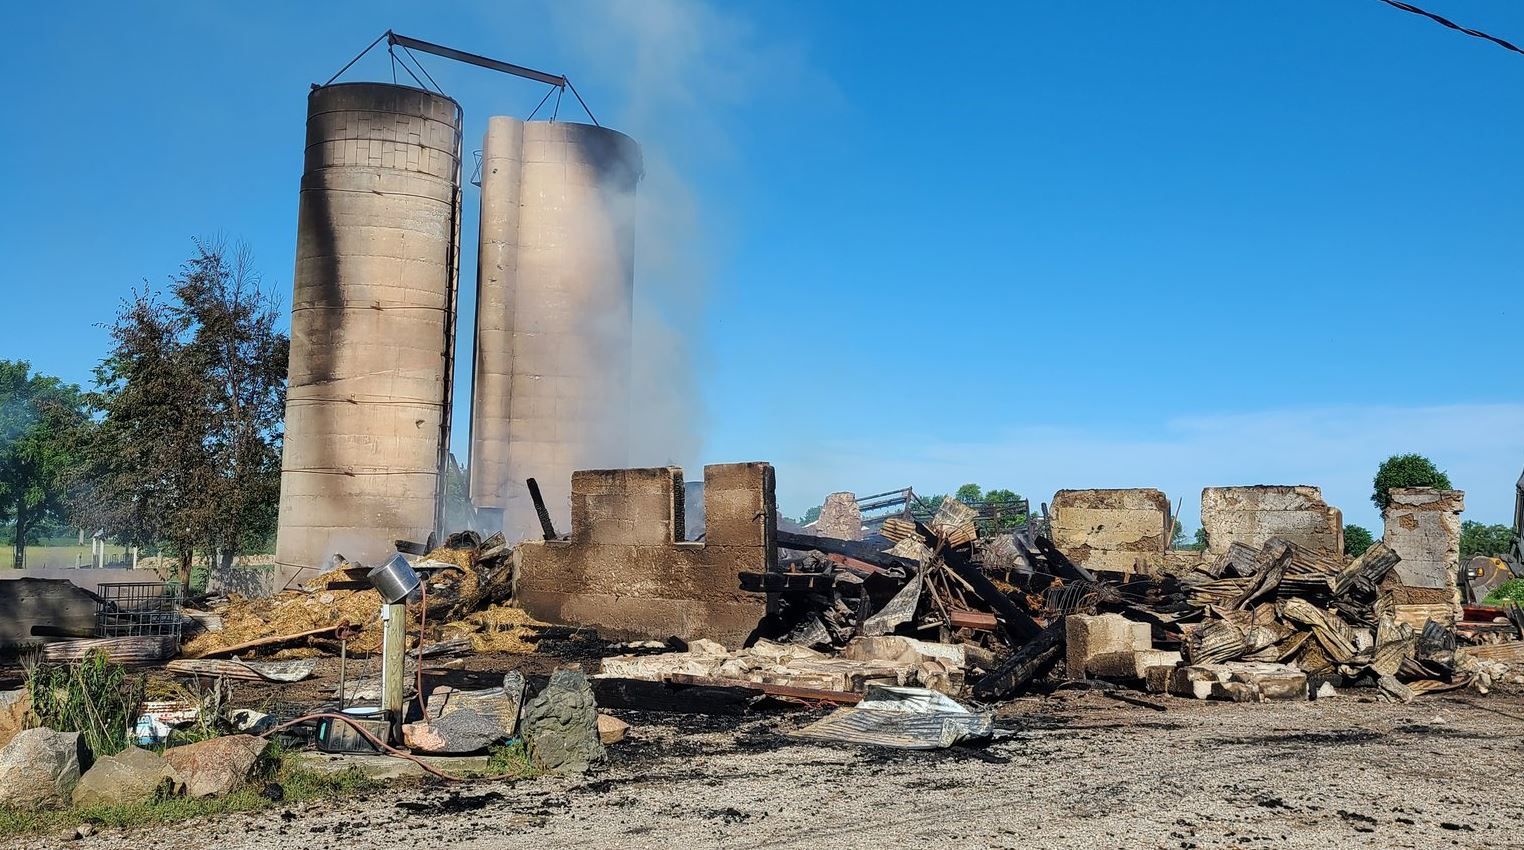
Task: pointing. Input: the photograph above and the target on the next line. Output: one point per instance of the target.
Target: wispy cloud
(1481, 446)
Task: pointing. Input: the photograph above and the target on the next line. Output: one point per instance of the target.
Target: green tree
(1201, 540)
(41, 423)
(1003, 510)
(1481, 539)
(970, 494)
(1356, 540)
(191, 401)
(811, 515)
(1409, 470)
(1178, 540)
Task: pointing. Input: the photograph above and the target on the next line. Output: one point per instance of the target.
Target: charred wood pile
(1276, 622)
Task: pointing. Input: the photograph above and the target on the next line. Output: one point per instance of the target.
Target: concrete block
(1235, 692)
(1272, 681)
(1144, 660)
(1197, 680)
(1088, 636)
(1156, 680)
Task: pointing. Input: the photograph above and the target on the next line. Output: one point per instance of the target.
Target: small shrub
(511, 759)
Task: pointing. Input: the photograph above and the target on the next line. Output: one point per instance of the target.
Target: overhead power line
(1408, 7)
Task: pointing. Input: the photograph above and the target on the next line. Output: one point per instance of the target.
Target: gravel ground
(1078, 771)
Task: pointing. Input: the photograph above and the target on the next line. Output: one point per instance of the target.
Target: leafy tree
(191, 401)
(970, 494)
(1356, 540)
(41, 423)
(811, 515)
(1482, 539)
(1003, 510)
(1201, 540)
(1409, 470)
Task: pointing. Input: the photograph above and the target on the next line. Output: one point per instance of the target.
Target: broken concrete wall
(840, 518)
(1116, 530)
(1423, 527)
(626, 570)
(1253, 515)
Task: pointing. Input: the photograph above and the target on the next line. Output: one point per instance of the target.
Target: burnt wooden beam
(1023, 665)
(1017, 624)
(865, 552)
(546, 527)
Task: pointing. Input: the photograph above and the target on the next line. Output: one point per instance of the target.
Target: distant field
(70, 556)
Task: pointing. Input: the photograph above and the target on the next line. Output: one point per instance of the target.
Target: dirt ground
(1078, 770)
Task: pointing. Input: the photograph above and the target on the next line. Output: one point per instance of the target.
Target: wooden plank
(121, 650)
(817, 694)
(851, 548)
(982, 621)
(644, 695)
(276, 640)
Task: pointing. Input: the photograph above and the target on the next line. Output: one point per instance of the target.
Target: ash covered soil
(1078, 771)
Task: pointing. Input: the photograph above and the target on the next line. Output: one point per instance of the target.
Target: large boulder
(14, 707)
(561, 724)
(39, 768)
(216, 766)
(131, 776)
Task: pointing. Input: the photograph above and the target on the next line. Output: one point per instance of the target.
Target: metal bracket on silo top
(408, 44)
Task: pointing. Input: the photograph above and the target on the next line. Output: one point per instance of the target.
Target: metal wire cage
(140, 608)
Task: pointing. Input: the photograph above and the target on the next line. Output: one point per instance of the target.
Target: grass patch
(510, 761)
(299, 786)
(1509, 591)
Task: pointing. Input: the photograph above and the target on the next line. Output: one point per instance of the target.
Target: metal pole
(393, 647)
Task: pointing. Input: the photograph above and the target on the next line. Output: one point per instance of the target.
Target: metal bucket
(394, 580)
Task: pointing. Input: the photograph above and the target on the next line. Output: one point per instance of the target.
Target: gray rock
(561, 725)
(131, 776)
(464, 730)
(217, 766)
(39, 768)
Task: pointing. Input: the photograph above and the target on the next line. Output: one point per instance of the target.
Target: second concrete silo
(555, 284)
(372, 323)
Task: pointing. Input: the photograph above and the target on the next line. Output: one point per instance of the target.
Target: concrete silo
(555, 283)
(372, 323)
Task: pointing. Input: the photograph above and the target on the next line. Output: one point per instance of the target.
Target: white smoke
(680, 68)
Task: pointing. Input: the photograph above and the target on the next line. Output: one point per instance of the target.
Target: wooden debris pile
(463, 577)
(925, 581)
(1281, 604)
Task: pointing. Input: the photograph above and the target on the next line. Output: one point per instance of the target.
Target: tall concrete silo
(372, 323)
(555, 282)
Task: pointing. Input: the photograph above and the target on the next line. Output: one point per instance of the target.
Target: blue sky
(1032, 245)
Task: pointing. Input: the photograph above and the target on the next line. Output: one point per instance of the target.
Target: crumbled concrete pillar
(1253, 515)
(1112, 530)
(840, 518)
(1423, 527)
